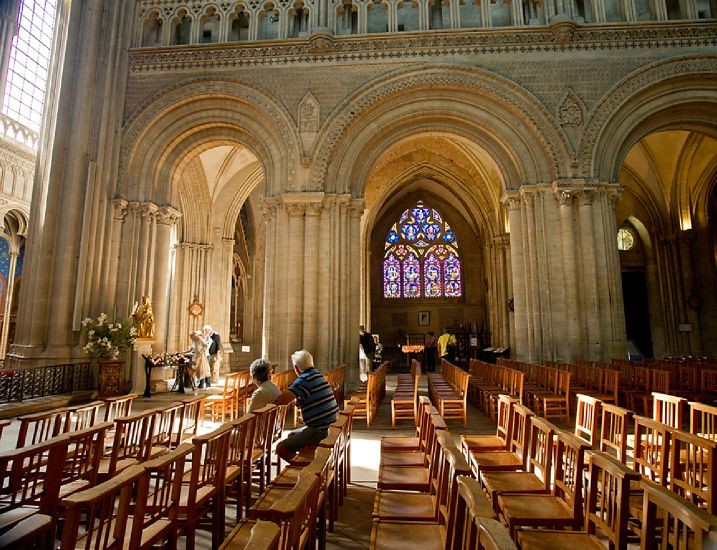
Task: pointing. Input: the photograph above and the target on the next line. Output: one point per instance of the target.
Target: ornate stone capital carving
(313, 209)
(356, 208)
(119, 209)
(148, 211)
(168, 215)
(270, 207)
(502, 240)
(295, 209)
(511, 202)
(585, 197)
(194, 246)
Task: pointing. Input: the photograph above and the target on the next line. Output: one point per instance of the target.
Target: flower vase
(110, 377)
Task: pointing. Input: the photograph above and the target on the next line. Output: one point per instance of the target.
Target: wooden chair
(564, 506)
(39, 427)
(190, 420)
(652, 449)
(131, 444)
(244, 388)
(99, 517)
(202, 491)
(703, 420)
(84, 451)
(154, 522)
(296, 513)
(497, 442)
(253, 535)
(613, 431)
(515, 457)
(118, 407)
(672, 522)
(4, 424)
(263, 438)
(29, 489)
(693, 467)
(404, 401)
(347, 427)
(418, 457)
(587, 419)
(82, 416)
(239, 462)
(165, 429)
(557, 404)
(492, 535)
(220, 406)
(537, 476)
(406, 443)
(668, 409)
(606, 511)
(445, 534)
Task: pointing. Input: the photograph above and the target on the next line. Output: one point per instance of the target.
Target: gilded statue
(143, 318)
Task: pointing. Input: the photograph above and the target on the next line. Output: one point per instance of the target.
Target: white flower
(90, 333)
(86, 322)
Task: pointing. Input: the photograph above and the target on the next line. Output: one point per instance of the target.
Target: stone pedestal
(110, 378)
(139, 378)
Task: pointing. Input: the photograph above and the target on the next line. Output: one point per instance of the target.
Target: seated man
(266, 391)
(318, 406)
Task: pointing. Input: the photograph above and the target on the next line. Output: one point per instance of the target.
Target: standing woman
(200, 350)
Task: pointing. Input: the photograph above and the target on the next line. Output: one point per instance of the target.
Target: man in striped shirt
(318, 406)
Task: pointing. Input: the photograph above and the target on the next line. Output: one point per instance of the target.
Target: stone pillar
(312, 317)
(294, 267)
(588, 280)
(520, 291)
(531, 274)
(570, 347)
(352, 254)
(166, 219)
(269, 223)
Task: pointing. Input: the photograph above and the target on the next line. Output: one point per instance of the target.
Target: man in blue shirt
(318, 406)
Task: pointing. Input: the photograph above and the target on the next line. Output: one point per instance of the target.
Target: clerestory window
(421, 257)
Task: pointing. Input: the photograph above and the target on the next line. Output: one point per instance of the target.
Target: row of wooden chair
(404, 401)
(448, 389)
(490, 380)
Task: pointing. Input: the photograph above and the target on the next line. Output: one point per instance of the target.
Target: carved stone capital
(148, 211)
(270, 207)
(168, 215)
(119, 209)
(356, 208)
(585, 197)
(295, 209)
(313, 209)
(511, 202)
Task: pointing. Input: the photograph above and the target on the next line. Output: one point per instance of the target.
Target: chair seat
(482, 443)
(533, 539)
(511, 482)
(535, 510)
(408, 458)
(203, 495)
(150, 533)
(266, 500)
(403, 477)
(496, 460)
(407, 506)
(389, 534)
(73, 487)
(26, 532)
(16, 515)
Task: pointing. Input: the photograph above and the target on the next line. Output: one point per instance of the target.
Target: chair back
(668, 409)
(613, 431)
(470, 503)
(97, 517)
(166, 425)
(608, 498)
(693, 463)
(84, 452)
(116, 407)
(189, 420)
(520, 431)
(568, 476)
(540, 454)
(209, 461)
(703, 420)
(587, 418)
(669, 521)
(82, 416)
(652, 449)
(39, 427)
(296, 512)
(131, 439)
(505, 416)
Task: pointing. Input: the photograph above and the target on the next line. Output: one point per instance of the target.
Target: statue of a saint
(143, 318)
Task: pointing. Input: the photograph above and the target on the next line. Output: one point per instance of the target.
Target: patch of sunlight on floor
(365, 458)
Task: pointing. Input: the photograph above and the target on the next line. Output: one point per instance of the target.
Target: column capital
(270, 206)
(511, 201)
(148, 211)
(168, 215)
(119, 208)
(295, 209)
(502, 240)
(356, 208)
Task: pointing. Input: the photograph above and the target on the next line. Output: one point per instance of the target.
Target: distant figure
(200, 354)
(266, 391)
(215, 352)
(430, 352)
(447, 346)
(367, 348)
(318, 406)
(143, 318)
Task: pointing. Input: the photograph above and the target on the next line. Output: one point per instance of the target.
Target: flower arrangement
(106, 340)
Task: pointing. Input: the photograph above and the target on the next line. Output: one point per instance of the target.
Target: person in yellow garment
(447, 346)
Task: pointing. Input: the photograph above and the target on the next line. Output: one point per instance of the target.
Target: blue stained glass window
(421, 257)
(391, 277)
(411, 276)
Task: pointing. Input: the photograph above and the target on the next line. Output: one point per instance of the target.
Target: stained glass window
(421, 257)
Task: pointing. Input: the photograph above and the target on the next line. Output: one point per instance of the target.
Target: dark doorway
(637, 313)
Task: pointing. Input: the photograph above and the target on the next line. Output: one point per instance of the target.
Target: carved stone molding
(269, 209)
(511, 202)
(148, 211)
(585, 197)
(309, 113)
(168, 215)
(571, 110)
(295, 209)
(563, 29)
(194, 246)
(631, 86)
(321, 48)
(356, 208)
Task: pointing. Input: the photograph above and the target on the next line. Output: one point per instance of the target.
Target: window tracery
(421, 257)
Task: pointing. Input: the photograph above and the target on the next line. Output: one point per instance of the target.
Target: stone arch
(531, 149)
(665, 93)
(185, 115)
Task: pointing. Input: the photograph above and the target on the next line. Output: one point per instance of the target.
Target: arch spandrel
(508, 112)
(235, 110)
(645, 101)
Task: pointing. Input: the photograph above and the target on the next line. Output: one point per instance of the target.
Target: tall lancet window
(421, 257)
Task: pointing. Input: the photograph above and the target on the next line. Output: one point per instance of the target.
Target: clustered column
(566, 273)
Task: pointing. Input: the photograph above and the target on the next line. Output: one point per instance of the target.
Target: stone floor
(353, 529)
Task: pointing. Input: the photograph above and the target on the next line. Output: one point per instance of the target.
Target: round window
(625, 239)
